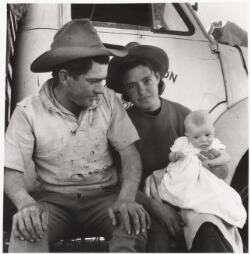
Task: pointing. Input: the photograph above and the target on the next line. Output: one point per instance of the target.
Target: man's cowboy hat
(154, 55)
(76, 39)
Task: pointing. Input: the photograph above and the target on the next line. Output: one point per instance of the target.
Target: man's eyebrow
(147, 76)
(96, 79)
(129, 83)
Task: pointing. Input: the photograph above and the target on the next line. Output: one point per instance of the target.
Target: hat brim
(155, 55)
(52, 58)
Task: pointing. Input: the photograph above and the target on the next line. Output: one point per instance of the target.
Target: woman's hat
(76, 39)
(156, 56)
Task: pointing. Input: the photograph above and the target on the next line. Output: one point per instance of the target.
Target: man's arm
(30, 221)
(132, 213)
(15, 188)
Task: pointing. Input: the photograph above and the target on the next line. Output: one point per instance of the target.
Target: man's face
(84, 90)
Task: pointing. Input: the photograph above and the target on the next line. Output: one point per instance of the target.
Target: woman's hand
(208, 155)
(163, 212)
(220, 171)
(169, 217)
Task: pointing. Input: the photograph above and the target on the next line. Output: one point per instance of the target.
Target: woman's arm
(220, 170)
(158, 209)
(222, 159)
(163, 212)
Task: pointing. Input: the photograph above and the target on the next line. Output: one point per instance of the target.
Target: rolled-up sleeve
(19, 141)
(121, 132)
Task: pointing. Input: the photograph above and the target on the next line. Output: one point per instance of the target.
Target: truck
(203, 73)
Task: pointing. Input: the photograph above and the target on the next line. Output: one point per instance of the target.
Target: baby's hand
(175, 156)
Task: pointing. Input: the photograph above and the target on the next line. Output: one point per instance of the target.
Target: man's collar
(48, 97)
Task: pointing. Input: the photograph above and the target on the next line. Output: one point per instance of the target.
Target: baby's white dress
(188, 184)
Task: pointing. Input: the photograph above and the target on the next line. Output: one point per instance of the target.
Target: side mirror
(195, 6)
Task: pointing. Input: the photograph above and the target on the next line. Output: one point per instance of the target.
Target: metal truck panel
(232, 129)
(235, 75)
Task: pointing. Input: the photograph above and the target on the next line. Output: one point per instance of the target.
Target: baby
(200, 133)
(188, 183)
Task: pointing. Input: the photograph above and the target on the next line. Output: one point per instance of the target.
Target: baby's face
(201, 137)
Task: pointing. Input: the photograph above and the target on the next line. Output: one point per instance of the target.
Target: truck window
(169, 18)
(157, 17)
(128, 16)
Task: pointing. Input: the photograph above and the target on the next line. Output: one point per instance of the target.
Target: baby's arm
(175, 156)
(222, 159)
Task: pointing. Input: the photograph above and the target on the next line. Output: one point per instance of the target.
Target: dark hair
(133, 62)
(79, 66)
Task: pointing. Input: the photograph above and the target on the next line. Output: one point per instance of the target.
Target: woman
(138, 77)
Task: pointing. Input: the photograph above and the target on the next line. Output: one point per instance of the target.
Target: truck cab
(203, 74)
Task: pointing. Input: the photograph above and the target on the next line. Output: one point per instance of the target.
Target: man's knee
(17, 245)
(121, 241)
(124, 242)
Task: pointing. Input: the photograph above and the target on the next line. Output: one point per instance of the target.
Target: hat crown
(76, 33)
(76, 39)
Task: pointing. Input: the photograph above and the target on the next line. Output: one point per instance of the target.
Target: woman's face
(141, 86)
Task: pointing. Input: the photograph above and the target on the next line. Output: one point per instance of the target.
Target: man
(66, 129)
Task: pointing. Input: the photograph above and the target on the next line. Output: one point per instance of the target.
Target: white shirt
(70, 154)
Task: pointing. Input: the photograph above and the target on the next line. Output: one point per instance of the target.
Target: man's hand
(133, 215)
(169, 217)
(30, 222)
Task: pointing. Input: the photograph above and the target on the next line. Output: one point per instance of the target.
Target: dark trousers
(208, 239)
(87, 215)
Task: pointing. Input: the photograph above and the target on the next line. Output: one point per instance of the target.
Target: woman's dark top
(158, 133)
